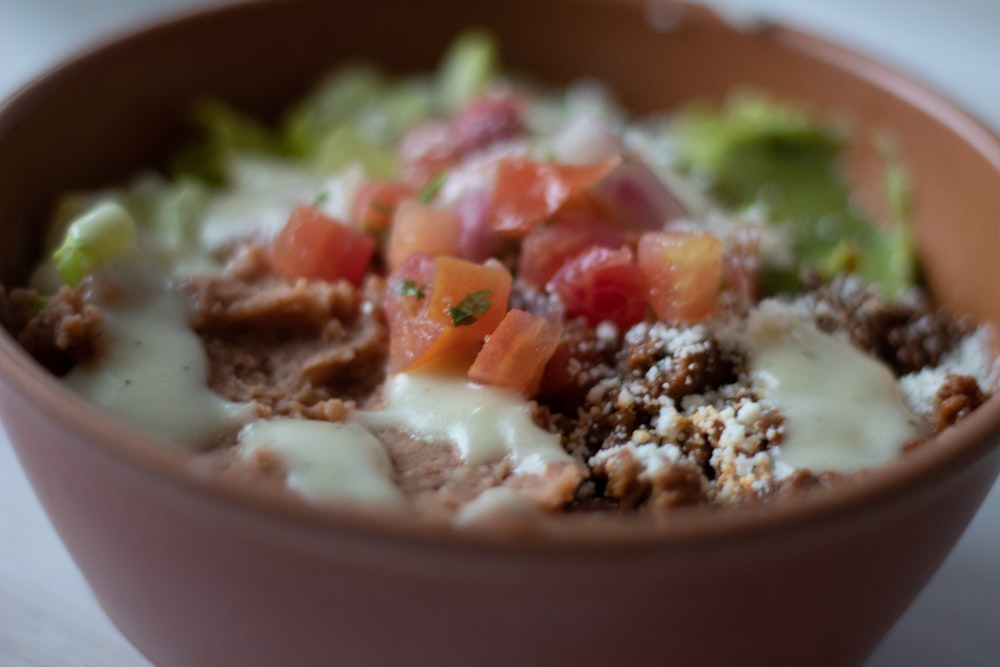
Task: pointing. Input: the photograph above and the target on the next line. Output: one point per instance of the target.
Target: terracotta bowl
(200, 571)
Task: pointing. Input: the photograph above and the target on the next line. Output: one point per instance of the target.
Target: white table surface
(48, 617)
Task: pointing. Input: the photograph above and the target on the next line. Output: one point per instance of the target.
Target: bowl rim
(173, 471)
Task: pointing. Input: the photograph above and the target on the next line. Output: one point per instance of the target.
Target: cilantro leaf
(430, 190)
(466, 311)
(410, 288)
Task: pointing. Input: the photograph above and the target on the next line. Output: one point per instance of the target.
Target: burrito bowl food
(466, 296)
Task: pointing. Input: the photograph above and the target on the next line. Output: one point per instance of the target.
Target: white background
(47, 615)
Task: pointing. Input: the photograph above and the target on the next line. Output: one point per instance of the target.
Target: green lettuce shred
(336, 101)
(104, 232)
(357, 115)
(226, 131)
(757, 152)
(468, 66)
(169, 213)
(345, 146)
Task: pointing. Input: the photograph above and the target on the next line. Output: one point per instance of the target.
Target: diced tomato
(515, 354)
(527, 193)
(455, 280)
(411, 332)
(417, 228)
(682, 272)
(313, 245)
(548, 247)
(602, 284)
(440, 310)
(376, 202)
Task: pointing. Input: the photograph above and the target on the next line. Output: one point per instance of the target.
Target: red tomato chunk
(376, 202)
(527, 193)
(602, 284)
(515, 354)
(417, 228)
(682, 273)
(549, 247)
(315, 246)
(440, 310)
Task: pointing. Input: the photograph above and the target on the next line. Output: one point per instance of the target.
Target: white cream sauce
(263, 191)
(152, 372)
(843, 410)
(495, 504)
(484, 424)
(327, 460)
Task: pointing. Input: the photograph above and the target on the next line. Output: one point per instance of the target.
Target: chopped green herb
(321, 198)
(410, 288)
(466, 311)
(431, 189)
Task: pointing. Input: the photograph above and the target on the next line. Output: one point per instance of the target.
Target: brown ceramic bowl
(201, 571)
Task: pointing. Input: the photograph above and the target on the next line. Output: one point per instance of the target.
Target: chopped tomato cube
(411, 332)
(682, 273)
(527, 193)
(376, 202)
(313, 245)
(456, 281)
(419, 228)
(602, 284)
(440, 310)
(515, 354)
(548, 247)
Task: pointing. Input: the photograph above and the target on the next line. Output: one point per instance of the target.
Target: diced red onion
(637, 197)
(477, 241)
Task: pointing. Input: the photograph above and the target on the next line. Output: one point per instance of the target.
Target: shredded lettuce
(403, 105)
(104, 232)
(226, 131)
(168, 213)
(336, 101)
(357, 115)
(757, 152)
(345, 146)
(470, 63)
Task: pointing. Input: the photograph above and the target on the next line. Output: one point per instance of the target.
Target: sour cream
(484, 424)
(843, 409)
(325, 460)
(152, 372)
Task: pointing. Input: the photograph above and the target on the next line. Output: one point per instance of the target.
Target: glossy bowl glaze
(199, 571)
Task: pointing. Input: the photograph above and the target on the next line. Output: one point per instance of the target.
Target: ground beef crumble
(59, 331)
(293, 347)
